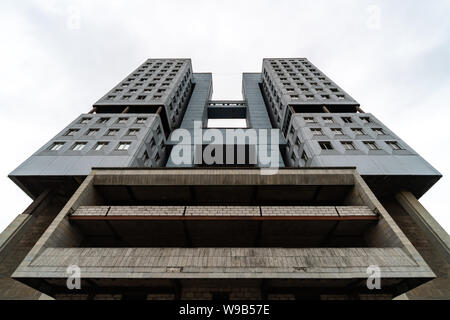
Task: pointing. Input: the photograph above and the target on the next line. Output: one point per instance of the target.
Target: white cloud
(53, 71)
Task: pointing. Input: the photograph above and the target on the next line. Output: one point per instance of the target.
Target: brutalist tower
(159, 192)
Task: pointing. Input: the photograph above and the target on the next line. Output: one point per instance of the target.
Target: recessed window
(337, 131)
(145, 156)
(394, 145)
(112, 132)
(127, 97)
(79, 146)
(84, 120)
(328, 120)
(123, 146)
(91, 132)
(348, 145)
(71, 132)
(141, 97)
(341, 96)
(365, 119)
(99, 146)
(141, 120)
(56, 146)
(122, 120)
(378, 131)
(347, 119)
(325, 145)
(309, 120)
(371, 145)
(325, 97)
(305, 156)
(316, 131)
(133, 132)
(358, 131)
(103, 120)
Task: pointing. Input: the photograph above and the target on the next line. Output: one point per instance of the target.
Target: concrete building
(159, 192)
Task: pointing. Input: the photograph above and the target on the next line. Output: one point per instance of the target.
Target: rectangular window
(348, 145)
(378, 131)
(358, 131)
(309, 120)
(365, 119)
(99, 146)
(112, 132)
(122, 120)
(103, 120)
(123, 146)
(84, 120)
(328, 120)
(133, 132)
(79, 146)
(325, 145)
(141, 120)
(337, 131)
(304, 156)
(347, 120)
(394, 145)
(91, 132)
(56, 146)
(71, 132)
(317, 131)
(371, 145)
(145, 157)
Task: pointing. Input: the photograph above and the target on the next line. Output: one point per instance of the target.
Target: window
(304, 156)
(141, 97)
(325, 145)
(328, 120)
(348, 145)
(358, 131)
(56, 146)
(394, 145)
(133, 132)
(123, 146)
(316, 131)
(365, 119)
(309, 120)
(78, 146)
(112, 132)
(337, 131)
(325, 97)
(122, 120)
(91, 132)
(141, 120)
(378, 131)
(347, 119)
(371, 145)
(145, 157)
(84, 120)
(99, 146)
(341, 96)
(103, 120)
(71, 132)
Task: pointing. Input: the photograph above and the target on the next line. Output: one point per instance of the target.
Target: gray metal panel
(256, 107)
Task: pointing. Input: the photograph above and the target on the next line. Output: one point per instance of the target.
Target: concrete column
(424, 219)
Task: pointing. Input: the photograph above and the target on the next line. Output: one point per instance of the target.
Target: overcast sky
(58, 57)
